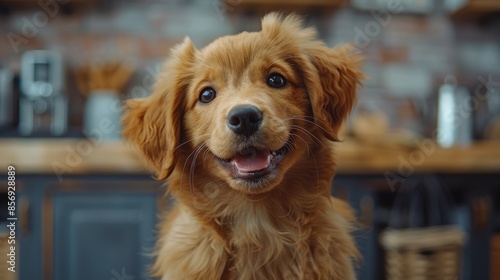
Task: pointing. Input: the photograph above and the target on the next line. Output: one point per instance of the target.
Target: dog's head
(248, 106)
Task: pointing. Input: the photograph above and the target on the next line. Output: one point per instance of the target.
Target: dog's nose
(244, 120)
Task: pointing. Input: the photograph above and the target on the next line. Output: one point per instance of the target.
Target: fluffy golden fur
(276, 223)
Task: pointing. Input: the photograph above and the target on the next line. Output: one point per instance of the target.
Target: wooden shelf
(355, 157)
(78, 156)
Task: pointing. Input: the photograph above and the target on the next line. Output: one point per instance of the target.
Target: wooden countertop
(69, 156)
(366, 158)
(81, 156)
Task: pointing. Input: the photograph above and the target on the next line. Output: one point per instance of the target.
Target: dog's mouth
(254, 164)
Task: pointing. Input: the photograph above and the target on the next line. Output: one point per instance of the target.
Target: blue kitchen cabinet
(88, 227)
(103, 227)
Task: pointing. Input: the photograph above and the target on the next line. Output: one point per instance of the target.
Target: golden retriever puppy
(243, 130)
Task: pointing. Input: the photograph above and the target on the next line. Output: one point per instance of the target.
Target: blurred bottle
(454, 121)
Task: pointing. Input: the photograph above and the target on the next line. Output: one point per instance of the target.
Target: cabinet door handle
(24, 207)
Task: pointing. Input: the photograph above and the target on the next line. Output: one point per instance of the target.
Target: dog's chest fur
(259, 242)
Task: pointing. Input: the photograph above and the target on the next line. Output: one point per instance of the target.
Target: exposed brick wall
(408, 56)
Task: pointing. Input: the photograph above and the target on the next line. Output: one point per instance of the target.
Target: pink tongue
(251, 160)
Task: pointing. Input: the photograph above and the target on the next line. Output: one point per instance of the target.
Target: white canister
(102, 115)
(454, 120)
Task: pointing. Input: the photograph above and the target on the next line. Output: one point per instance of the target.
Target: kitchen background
(418, 53)
(410, 48)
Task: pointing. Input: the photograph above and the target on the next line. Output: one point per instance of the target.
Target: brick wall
(408, 56)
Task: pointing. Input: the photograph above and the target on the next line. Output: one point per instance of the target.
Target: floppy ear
(331, 81)
(153, 124)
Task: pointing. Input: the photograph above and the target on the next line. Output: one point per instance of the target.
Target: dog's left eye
(207, 95)
(276, 81)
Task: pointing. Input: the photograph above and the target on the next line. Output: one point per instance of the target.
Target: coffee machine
(43, 105)
(7, 103)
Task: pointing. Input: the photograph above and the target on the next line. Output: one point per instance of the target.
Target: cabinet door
(100, 234)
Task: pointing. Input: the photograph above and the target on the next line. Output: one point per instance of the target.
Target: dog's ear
(331, 75)
(153, 124)
(331, 80)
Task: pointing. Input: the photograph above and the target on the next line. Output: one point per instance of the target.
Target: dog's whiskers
(205, 153)
(187, 160)
(191, 140)
(303, 140)
(184, 167)
(289, 145)
(315, 124)
(317, 171)
(311, 136)
(193, 165)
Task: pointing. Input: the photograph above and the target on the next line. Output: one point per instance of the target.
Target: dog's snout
(244, 120)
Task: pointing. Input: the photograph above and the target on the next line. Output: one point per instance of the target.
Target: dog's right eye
(207, 95)
(275, 80)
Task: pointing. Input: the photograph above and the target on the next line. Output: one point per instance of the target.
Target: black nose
(244, 120)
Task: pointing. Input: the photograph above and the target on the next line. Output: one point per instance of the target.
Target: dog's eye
(276, 81)
(207, 95)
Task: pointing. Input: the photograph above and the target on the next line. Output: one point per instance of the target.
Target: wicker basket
(4, 250)
(495, 257)
(423, 253)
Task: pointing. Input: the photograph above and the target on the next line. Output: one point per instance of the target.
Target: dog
(243, 130)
